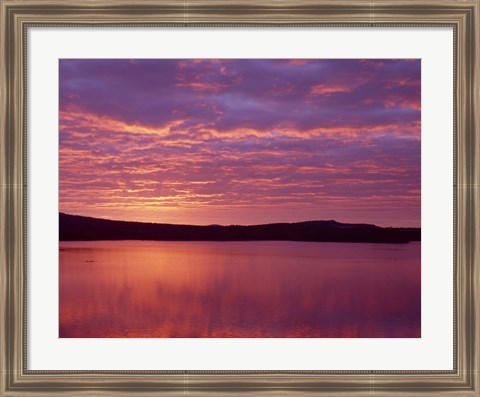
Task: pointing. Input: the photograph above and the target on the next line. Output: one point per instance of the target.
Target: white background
(433, 351)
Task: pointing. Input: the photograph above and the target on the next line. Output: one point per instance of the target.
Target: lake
(263, 289)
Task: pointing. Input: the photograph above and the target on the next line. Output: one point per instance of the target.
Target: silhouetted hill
(80, 228)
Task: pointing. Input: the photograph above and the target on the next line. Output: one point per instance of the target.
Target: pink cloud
(326, 89)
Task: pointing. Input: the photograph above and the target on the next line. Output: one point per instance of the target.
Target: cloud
(238, 141)
(325, 89)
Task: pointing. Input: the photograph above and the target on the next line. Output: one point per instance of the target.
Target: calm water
(263, 289)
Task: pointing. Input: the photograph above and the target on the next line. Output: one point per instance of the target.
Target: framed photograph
(258, 198)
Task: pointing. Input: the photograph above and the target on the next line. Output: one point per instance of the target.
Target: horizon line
(257, 224)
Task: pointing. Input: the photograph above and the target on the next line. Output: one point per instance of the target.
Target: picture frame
(17, 16)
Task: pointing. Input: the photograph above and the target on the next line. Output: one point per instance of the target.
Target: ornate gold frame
(17, 15)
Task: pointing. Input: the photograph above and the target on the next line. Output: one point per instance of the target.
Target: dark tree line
(79, 228)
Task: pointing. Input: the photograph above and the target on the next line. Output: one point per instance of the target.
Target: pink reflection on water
(239, 289)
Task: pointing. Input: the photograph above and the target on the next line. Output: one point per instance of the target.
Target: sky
(241, 141)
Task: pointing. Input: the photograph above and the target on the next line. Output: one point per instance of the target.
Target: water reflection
(238, 289)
